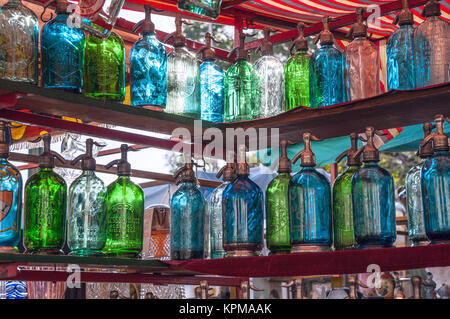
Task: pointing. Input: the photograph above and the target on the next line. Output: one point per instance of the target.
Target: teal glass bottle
(148, 66)
(326, 71)
(188, 208)
(240, 87)
(62, 50)
(343, 232)
(309, 204)
(86, 224)
(278, 238)
(242, 213)
(373, 196)
(124, 211)
(206, 8)
(10, 195)
(435, 181)
(400, 52)
(296, 72)
(45, 206)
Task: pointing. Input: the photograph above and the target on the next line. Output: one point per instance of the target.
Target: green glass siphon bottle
(343, 233)
(124, 211)
(278, 238)
(45, 206)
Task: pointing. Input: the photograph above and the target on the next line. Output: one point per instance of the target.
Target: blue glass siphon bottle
(62, 51)
(400, 52)
(373, 196)
(148, 66)
(435, 181)
(10, 195)
(309, 204)
(326, 71)
(242, 213)
(212, 94)
(187, 216)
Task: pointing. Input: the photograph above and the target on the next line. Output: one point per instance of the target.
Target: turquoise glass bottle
(373, 196)
(86, 224)
(400, 52)
(148, 66)
(326, 71)
(62, 50)
(10, 195)
(435, 181)
(19, 38)
(309, 204)
(296, 72)
(124, 211)
(45, 206)
(242, 213)
(212, 92)
(343, 232)
(207, 8)
(278, 238)
(187, 219)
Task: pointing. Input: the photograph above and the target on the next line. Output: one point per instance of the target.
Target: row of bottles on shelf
(416, 57)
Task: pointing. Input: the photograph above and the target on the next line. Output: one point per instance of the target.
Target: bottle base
(351, 247)
(186, 254)
(375, 246)
(420, 243)
(438, 242)
(241, 250)
(86, 252)
(279, 251)
(309, 248)
(71, 89)
(8, 250)
(44, 251)
(105, 96)
(122, 253)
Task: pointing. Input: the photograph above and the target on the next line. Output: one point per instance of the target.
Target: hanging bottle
(296, 72)
(435, 181)
(373, 196)
(187, 216)
(215, 211)
(432, 47)
(362, 62)
(211, 84)
(269, 72)
(309, 204)
(99, 16)
(277, 206)
(399, 51)
(240, 88)
(104, 68)
(45, 205)
(242, 213)
(206, 8)
(344, 235)
(326, 71)
(124, 211)
(148, 66)
(62, 51)
(183, 73)
(19, 37)
(86, 225)
(10, 195)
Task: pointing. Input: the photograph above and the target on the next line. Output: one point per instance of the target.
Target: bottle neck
(371, 164)
(46, 169)
(441, 153)
(187, 184)
(150, 34)
(352, 168)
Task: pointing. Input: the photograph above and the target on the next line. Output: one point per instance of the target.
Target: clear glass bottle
(362, 62)
(400, 52)
(432, 47)
(104, 68)
(338, 289)
(240, 87)
(183, 77)
(435, 181)
(125, 211)
(212, 92)
(242, 213)
(10, 195)
(102, 13)
(278, 238)
(86, 224)
(296, 72)
(269, 73)
(309, 204)
(148, 66)
(326, 71)
(207, 8)
(188, 208)
(19, 38)
(62, 50)
(373, 196)
(45, 206)
(343, 232)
